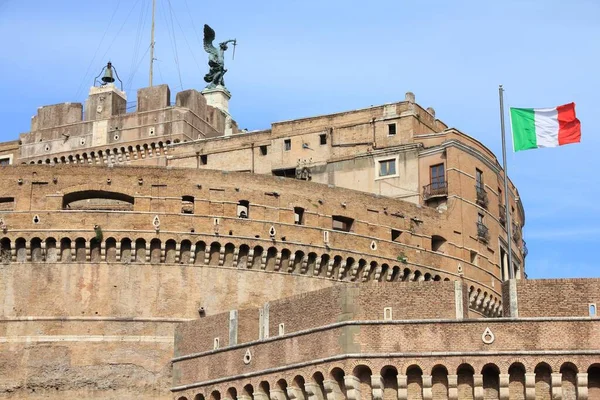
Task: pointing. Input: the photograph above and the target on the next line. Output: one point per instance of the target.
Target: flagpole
(511, 272)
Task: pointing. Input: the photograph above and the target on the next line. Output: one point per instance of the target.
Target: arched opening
(406, 275)
(324, 264)
(390, 382)
(243, 256)
(99, 200)
(285, 260)
(215, 251)
(311, 263)
(298, 260)
(228, 256)
(319, 379)
(170, 251)
(568, 373)
(187, 204)
(5, 251)
(337, 375)
(418, 276)
(140, 251)
(439, 382)
(491, 382)
(111, 249)
(80, 250)
(594, 381)
(348, 268)
(265, 389)
(271, 259)
(335, 269)
(465, 381)
(232, 393)
(185, 252)
(363, 373)
(370, 271)
(414, 379)
(20, 246)
(215, 395)
(199, 253)
(126, 252)
(427, 277)
(65, 250)
(257, 257)
(36, 250)
(199, 396)
(360, 270)
(298, 386)
(155, 249)
(516, 381)
(543, 381)
(395, 274)
(95, 250)
(384, 271)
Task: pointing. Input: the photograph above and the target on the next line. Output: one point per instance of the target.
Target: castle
(153, 250)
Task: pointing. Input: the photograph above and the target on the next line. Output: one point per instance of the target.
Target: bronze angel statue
(216, 60)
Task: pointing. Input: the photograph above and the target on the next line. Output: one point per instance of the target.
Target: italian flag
(544, 127)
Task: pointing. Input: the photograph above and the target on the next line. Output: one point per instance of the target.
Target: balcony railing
(482, 197)
(483, 233)
(502, 214)
(525, 250)
(435, 189)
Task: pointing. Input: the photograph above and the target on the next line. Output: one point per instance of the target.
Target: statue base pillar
(217, 97)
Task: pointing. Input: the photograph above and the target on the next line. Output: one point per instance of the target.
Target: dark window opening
(391, 129)
(4, 161)
(437, 176)
(298, 215)
(287, 144)
(286, 173)
(437, 243)
(479, 179)
(187, 205)
(263, 150)
(98, 200)
(396, 235)
(204, 159)
(473, 257)
(341, 223)
(7, 203)
(387, 167)
(323, 138)
(243, 209)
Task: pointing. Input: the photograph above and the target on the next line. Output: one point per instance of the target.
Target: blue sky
(302, 58)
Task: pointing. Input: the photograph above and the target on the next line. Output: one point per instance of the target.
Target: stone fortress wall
(405, 341)
(123, 225)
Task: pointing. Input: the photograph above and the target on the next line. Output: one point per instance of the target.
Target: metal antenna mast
(152, 42)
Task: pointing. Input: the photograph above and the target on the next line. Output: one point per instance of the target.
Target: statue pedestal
(218, 97)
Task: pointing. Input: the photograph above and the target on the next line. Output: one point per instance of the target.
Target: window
(592, 308)
(387, 313)
(216, 343)
(281, 329)
(5, 161)
(437, 176)
(323, 139)
(341, 223)
(479, 178)
(387, 167)
(396, 235)
(298, 215)
(287, 144)
(263, 150)
(473, 257)
(187, 204)
(391, 129)
(243, 209)
(203, 159)
(437, 243)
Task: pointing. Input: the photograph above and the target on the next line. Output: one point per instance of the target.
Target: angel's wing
(209, 36)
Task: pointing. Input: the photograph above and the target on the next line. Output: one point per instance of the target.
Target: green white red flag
(534, 128)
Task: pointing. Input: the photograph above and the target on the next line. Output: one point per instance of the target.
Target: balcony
(482, 197)
(502, 214)
(483, 233)
(435, 189)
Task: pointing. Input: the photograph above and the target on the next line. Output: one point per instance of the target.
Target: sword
(234, 44)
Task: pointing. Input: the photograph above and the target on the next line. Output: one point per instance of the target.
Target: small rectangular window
(341, 223)
(243, 209)
(298, 215)
(323, 139)
(387, 313)
(5, 161)
(437, 176)
(396, 235)
(216, 343)
(387, 167)
(281, 329)
(203, 159)
(263, 150)
(391, 129)
(479, 178)
(592, 308)
(473, 257)
(287, 144)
